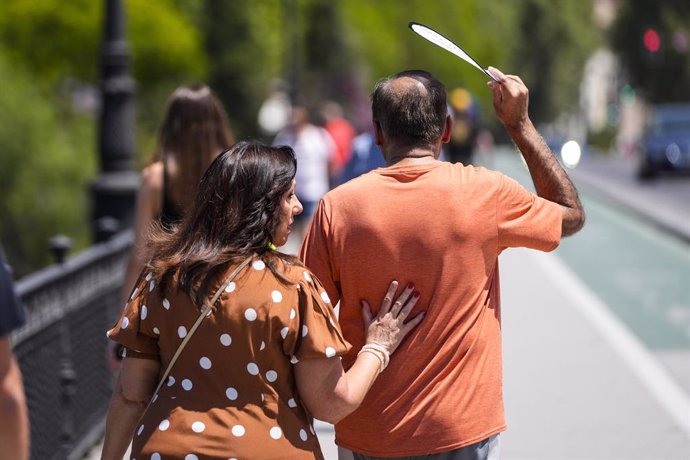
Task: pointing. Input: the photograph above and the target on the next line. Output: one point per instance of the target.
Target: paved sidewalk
(575, 385)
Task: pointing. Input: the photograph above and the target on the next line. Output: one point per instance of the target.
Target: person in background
(342, 133)
(442, 225)
(463, 139)
(14, 420)
(365, 156)
(265, 357)
(315, 150)
(194, 131)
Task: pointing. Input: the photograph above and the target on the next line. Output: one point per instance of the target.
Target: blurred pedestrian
(365, 156)
(265, 353)
(14, 421)
(463, 138)
(443, 226)
(314, 149)
(342, 132)
(194, 131)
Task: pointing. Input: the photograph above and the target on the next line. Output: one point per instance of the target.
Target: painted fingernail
(410, 285)
(415, 294)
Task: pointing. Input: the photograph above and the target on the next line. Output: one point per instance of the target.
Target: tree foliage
(555, 40)
(46, 161)
(49, 52)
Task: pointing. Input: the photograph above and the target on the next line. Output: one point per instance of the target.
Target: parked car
(666, 141)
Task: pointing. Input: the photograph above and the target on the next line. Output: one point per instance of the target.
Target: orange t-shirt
(442, 227)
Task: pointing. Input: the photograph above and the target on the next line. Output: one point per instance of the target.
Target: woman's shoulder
(291, 269)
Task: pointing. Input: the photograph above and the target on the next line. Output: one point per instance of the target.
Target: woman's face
(289, 207)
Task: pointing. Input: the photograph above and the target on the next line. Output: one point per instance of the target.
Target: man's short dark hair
(413, 116)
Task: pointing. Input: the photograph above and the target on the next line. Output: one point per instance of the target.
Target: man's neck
(411, 157)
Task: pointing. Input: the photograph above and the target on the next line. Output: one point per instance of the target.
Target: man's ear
(447, 130)
(378, 134)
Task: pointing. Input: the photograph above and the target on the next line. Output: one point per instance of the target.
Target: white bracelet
(375, 353)
(381, 348)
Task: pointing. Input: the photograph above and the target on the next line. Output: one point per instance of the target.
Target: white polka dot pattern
(258, 265)
(250, 314)
(149, 276)
(242, 327)
(253, 369)
(276, 296)
(276, 432)
(134, 293)
(191, 457)
(231, 394)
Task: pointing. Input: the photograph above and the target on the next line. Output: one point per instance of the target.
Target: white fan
(439, 40)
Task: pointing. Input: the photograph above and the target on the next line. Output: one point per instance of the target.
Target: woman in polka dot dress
(264, 360)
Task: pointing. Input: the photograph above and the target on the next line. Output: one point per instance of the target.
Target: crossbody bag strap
(204, 311)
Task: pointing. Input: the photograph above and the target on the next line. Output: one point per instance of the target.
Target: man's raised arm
(511, 99)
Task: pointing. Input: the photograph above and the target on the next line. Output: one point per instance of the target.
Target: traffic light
(651, 40)
(652, 46)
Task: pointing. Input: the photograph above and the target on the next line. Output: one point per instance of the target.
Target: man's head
(410, 110)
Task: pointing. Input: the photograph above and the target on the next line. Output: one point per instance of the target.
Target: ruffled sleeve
(313, 331)
(132, 329)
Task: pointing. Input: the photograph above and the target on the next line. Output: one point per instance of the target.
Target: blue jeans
(488, 449)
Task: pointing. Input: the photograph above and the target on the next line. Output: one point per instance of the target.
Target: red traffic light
(651, 40)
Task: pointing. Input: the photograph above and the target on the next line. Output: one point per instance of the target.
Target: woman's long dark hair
(195, 130)
(234, 214)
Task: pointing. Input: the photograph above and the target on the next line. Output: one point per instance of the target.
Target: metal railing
(62, 347)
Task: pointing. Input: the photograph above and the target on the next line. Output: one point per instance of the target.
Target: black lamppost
(114, 190)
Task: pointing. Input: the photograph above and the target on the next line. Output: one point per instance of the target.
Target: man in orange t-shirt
(440, 226)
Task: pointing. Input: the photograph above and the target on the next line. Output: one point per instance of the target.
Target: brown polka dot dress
(231, 393)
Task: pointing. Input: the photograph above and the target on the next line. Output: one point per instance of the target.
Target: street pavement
(580, 383)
